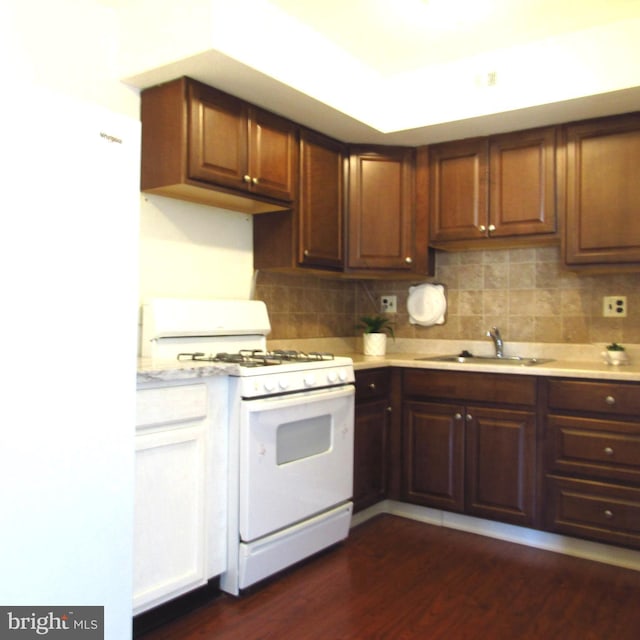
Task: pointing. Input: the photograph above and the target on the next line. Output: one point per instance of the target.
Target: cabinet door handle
(389, 409)
(247, 178)
(306, 252)
(492, 227)
(469, 417)
(255, 180)
(610, 400)
(408, 259)
(457, 416)
(372, 386)
(482, 228)
(608, 451)
(608, 514)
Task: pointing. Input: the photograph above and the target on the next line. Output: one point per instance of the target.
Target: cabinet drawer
(606, 512)
(615, 398)
(472, 387)
(373, 383)
(170, 405)
(600, 448)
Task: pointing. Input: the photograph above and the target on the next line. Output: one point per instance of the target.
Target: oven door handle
(293, 399)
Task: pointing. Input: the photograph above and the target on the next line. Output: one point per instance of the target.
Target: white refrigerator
(68, 258)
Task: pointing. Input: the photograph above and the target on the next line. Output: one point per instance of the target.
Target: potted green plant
(376, 328)
(615, 354)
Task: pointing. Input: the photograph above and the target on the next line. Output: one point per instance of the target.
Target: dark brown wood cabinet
(203, 145)
(372, 424)
(603, 192)
(357, 215)
(386, 232)
(592, 460)
(311, 234)
(470, 443)
(321, 201)
(497, 190)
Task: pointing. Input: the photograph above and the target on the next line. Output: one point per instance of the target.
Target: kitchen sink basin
(466, 358)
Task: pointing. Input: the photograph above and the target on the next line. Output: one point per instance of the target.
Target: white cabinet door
(170, 532)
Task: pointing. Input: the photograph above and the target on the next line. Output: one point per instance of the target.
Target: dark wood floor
(399, 579)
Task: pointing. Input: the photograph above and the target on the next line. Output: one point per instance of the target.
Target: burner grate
(258, 358)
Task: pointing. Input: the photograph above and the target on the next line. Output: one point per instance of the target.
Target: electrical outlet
(614, 306)
(388, 304)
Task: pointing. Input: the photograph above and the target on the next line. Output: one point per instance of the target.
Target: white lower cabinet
(180, 490)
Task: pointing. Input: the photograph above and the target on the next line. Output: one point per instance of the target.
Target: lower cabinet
(372, 424)
(592, 460)
(176, 547)
(470, 444)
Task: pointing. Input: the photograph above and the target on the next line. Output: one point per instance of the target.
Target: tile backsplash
(525, 292)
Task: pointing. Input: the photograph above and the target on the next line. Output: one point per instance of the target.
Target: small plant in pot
(375, 331)
(615, 354)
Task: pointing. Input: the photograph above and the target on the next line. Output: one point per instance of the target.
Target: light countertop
(574, 361)
(556, 368)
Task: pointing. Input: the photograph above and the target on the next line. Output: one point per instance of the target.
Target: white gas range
(290, 432)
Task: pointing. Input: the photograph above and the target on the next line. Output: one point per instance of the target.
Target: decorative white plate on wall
(426, 304)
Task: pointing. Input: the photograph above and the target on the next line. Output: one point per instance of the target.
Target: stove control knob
(284, 384)
(269, 386)
(343, 375)
(310, 380)
(332, 377)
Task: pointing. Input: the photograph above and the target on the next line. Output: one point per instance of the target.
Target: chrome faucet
(494, 334)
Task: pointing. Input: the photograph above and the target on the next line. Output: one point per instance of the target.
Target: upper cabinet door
(494, 189)
(603, 191)
(217, 137)
(321, 201)
(273, 154)
(382, 208)
(233, 144)
(458, 190)
(522, 172)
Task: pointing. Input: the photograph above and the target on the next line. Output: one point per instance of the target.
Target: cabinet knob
(608, 514)
(408, 259)
(306, 252)
(482, 228)
(610, 400)
(492, 227)
(457, 416)
(254, 180)
(372, 386)
(247, 178)
(469, 417)
(389, 409)
(608, 451)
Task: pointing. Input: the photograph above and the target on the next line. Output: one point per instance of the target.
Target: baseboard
(598, 552)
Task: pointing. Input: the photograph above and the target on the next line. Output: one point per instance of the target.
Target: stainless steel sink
(467, 358)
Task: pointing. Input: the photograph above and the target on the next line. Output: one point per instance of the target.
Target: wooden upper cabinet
(273, 155)
(218, 137)
(458, 190)
(501, 187)
(321, 201)
(603, 192)
(522, 175)
(382, 208)
(203, 145)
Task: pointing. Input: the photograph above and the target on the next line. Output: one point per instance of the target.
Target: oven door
(296, 458)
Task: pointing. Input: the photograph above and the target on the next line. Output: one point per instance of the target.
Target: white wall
(193, 251)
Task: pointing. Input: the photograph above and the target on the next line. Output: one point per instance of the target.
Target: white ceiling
(393, 36)
(419, 71)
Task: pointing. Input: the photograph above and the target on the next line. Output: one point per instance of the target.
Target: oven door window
(303, 438)
(296, 458)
